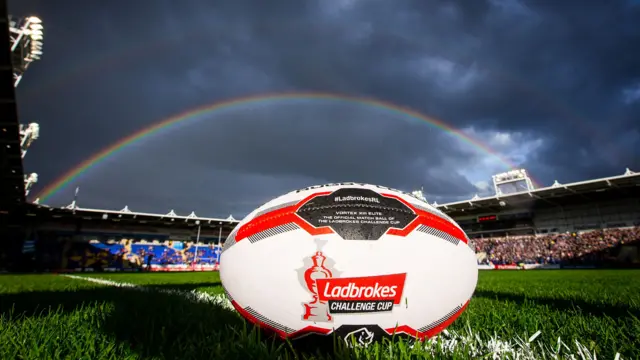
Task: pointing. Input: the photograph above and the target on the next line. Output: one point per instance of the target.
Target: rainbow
(111, 150)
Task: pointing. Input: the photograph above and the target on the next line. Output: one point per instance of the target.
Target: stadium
(94, 282)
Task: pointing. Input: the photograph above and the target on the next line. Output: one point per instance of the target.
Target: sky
(550, 86)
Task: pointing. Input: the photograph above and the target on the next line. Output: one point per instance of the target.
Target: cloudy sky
(550, 86)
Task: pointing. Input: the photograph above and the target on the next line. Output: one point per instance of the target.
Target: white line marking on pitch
(193, 295)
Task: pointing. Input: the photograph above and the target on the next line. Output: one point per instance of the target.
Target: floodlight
(26, 44)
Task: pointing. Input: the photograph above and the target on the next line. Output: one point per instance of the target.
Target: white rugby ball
(361, 261)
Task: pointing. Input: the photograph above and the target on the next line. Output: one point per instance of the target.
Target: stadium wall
(216, 267)
(519, 266)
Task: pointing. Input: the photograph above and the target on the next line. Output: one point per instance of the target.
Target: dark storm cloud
(552, 71)
(281, 146)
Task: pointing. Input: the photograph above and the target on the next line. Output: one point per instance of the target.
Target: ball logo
(335, 295)
(316, 310)
(362, 337)
(361, 294)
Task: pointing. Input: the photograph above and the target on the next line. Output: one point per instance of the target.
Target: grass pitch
(514, 314)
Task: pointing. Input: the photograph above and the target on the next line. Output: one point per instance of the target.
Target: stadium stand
(572, 249)
(70, 238)
(586, 205)
(586, 224)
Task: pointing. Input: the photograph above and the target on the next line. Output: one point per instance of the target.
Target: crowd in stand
(171, 257)
(129, 254)
(167, 255)
(591, 247)
(587, 247)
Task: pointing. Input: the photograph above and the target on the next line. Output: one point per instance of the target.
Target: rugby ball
(361, 261)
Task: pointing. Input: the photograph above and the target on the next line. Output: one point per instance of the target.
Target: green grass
(54, 317)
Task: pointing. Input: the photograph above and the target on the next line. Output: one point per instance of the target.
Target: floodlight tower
(26, 47)
(26, 44)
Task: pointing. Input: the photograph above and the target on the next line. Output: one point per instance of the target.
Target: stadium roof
(476, 205)
(11, 171)
(126, 214)
(547, 194)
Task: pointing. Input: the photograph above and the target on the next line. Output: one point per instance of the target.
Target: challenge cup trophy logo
(316, 310)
